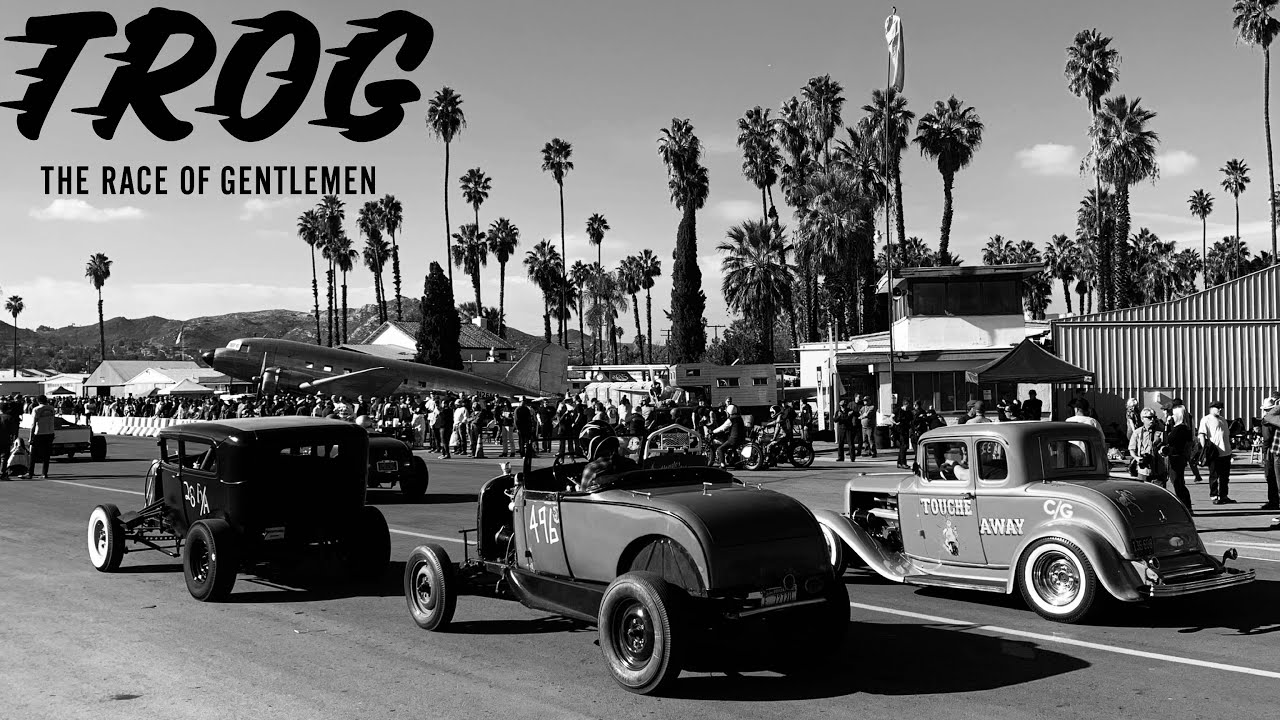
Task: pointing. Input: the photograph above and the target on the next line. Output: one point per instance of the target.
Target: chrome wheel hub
(422, 588)
(1056, 579)
(633, 636)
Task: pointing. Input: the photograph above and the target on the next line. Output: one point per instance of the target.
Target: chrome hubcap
(1056, 579)
(633, 636)
(100, 537)
(422, 588)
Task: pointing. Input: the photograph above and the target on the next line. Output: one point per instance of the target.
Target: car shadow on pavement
(312, 580)
(173, 567)
(533, 626)
(872, 662)
(1248, 610)
(393, 496)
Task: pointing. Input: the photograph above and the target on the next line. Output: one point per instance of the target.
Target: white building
(945, 321)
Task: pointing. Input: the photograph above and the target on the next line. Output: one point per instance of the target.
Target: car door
(541, 545)
(937, 508)
(1003, 507)
(189, 478)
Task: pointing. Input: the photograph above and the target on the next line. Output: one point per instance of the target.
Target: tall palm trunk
(1102, 250)
(1121, 282)
(448, 243)
(613, 340)
(315, 296)
(582, 335)
(102, 329)
(899, 220)
(648, 318)
(635, 311)
(344, 306)
(764, 205)
(1066, 294)
(1266, 118)
(944, 244)
(564, 269)
(384, 307)
(15, 346)
(502, 300)
(1235, 265)
(395, 276)
(1204, 251)
(332, 309)
(546, 318)
(475, 285)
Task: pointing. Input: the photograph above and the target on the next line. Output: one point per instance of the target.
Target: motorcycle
(794, 450)
(743, 457)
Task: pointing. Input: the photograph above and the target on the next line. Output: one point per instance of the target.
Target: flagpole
(888, 244)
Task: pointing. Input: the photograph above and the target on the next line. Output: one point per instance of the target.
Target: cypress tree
(440, 325)
(688, 302)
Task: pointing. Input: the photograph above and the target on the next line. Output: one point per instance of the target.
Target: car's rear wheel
(106, 538)
(415, 484)
(366, 549)
(429, 587)
(97, 448)
(209, 560)
(641, 623)
(801, 454)
(1057, 580)
(752, 456)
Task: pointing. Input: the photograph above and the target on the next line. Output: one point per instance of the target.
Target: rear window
(1065, 455)
(312, 459)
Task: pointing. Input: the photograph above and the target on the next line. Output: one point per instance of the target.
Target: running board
(997, 586)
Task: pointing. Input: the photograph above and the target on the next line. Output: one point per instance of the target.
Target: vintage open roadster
(1029, 505)
(235, 493)
(652, 556)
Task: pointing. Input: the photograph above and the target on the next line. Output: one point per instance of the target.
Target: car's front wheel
(209, 560)
(429, 587)
(366, 550)
(641, 632)
(1057, 580)
(106, 538)
(414, 485)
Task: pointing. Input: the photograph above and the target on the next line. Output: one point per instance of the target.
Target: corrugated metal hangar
(1218, 344)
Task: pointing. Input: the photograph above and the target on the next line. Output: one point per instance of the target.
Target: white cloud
(253, 207)
(736, 211)
(1050, 159)
(1176, 162)
(79, 210)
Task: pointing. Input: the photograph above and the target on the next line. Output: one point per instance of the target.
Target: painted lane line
(98, 487)
(1250, 545)
(967, 626)
(441, 538)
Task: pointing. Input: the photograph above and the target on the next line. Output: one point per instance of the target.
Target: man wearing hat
(1270, 456)
(1215, 433)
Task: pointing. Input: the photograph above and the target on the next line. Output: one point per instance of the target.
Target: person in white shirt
(1081, 410)
(1214, 431)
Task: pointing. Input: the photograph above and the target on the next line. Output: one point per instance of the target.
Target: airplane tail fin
(543, 369)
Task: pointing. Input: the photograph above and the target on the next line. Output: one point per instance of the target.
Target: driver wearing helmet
(602, 448)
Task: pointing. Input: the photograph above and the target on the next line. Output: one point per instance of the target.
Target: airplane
(290, 365)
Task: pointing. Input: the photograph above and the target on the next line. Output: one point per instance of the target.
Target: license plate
(777, 596)
(388, 466)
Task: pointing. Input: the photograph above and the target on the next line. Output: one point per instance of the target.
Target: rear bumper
(1230, 578)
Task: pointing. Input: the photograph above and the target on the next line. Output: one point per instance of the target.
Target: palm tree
(1255, 26)
(950, 135)
(997, 251)
(681, 151)
(1236, 178)
(1082, 260)
(1059, 257)
(369, 222)
(650, 268)
(392, 215)
(900, 119)
(470, 253)
(555, 160)
(98, 270)
(503, 239)
(1092, 68)
(825, 100)
(580, 275)
(475, 189)
(332, 213)
(468, 312)
(542, 264)
(760, 156)
(631, 278)
(1124, 149)
(757, 278)
(1225, 259)
(376, 253)
(311, 231)
(1201, 204)
(14, 307)
(610, 301)
(597, 226)
(445, 120)
(344, 257)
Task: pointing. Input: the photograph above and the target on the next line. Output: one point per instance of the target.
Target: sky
(607, 75)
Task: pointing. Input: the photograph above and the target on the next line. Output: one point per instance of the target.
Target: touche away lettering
(946, 506)
(1000, 526)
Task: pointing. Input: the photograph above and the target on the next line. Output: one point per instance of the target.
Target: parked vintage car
(651, 556)
(71, 439)
(230, 494)
(392, 463)
(1025, 505)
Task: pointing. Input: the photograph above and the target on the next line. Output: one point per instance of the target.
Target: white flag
(897, 51)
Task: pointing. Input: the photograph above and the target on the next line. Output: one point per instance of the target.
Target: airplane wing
(383, 381)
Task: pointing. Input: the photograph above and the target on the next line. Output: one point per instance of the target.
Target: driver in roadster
(603, 450)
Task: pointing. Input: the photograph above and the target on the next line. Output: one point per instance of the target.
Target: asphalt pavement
(75, 643)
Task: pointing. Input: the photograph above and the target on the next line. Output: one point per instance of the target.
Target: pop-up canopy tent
(1029, 363)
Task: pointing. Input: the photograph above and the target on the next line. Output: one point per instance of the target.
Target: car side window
(993, 462)
(197, 455)
(946, 460)
(1069, 454)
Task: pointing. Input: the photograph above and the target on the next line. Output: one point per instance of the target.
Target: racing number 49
(538, 523)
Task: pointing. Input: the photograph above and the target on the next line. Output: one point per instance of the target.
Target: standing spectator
(524, 423)
(442, 428)
(506, 428)
(546, 425)
(980, 413)
(564, 425)
(1178, 446)
(1080, 408)
(8, 433)
(843, 428)
(1191, 429)
(806, 421)
(1270, 463)
(1009, 409)
(459, 437)
(1032, 408)
(42, 426)
(902, 420)
(1132, 419)
(867, 417)
(1145, 446)
(1215, 434)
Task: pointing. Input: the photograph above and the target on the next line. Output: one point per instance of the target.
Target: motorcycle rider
(735, 434)
(781, 425)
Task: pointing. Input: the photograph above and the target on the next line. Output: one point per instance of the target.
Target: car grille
(672, 440)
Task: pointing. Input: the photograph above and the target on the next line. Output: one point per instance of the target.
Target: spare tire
(97, 448)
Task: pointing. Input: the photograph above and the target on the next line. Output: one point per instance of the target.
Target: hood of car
(736, 515)
(1140, 504)
(887, 483)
